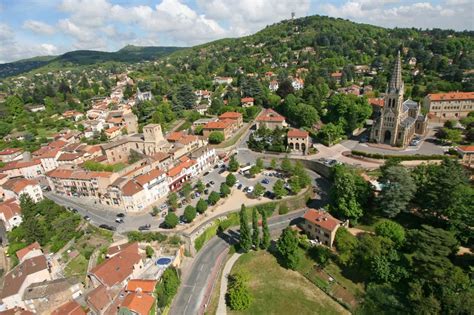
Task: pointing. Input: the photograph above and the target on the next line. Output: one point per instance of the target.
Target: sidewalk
(222, 307)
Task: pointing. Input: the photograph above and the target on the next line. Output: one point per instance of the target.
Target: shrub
(415, 157)
(283, 209)
(216, 137)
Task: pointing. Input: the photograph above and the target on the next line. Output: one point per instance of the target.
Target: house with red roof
(448, 106)
(15, 187)
(298, 140)
(69, 308)
(270, 119)
(10, 214)
(137, 303)
(27, 169)
(467, 154)
(30, 251)
(226, 127)
(320, 226)
(181, 173)
(247, 101)
(10, 154)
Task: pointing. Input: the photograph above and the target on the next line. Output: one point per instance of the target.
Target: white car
(250, 189)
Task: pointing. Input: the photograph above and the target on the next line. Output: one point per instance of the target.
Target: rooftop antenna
(292, 15)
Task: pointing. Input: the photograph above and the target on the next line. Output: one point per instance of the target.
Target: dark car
(145, 227)
(265, 181)
(211, 182)
(268, 194)
(75, 210)
(239, 186)
(107, 227)
(87, 218)
(206, 191)
(206, 173)
(222, 170)
(120, 215)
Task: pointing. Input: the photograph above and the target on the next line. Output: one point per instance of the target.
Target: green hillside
(128, 54)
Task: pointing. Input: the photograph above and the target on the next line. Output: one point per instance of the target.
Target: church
(398, 120)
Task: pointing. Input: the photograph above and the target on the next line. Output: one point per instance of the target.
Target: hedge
(415, 157)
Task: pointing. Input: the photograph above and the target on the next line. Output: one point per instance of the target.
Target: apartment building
(321, 226)
(15, 187)
(449, 106)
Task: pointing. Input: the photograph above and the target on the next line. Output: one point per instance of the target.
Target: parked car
(222, 170)
(415, 142)
(206, 191)
(239, 186)
(211, 182)
(107, 227)
(120, 215)
(145, 227)
(119, 220)
(265, 181)
(197, 194)
(250, 189)
(205, 174)
(87, 218)
(268, 194)
(364, 139)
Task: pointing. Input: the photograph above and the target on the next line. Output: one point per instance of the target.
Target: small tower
(292, 15)
(153, 133)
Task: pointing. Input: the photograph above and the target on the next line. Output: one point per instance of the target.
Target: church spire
(396, 80)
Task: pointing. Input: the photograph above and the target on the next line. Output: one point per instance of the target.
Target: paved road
(197, 279)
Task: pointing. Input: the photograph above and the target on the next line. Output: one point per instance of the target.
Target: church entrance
(387, 137)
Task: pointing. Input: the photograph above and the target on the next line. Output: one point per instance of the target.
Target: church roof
(396, 81)
(409, 104)
(407, 122)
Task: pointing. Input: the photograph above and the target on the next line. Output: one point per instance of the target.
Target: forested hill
(128, 54)
(443, 57)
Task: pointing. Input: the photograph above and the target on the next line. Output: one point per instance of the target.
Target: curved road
(197, 283)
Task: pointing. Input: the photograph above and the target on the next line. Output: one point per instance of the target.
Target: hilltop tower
(152, 133)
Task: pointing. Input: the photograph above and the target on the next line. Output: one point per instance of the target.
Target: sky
(31, 28)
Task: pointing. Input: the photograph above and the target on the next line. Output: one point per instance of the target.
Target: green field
(276, 290)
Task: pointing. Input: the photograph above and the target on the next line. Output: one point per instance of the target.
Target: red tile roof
(69, 308)
(131, 188)
(16, 277)
(217, 125)
(16, 311)
(71, 174)
(51, 153)
(233, 115)
(322, 219)
(297, 133)
(139, 303)
(116, 269)
(10, 208)
(112, 129)
(466, 148)
(112, 250)
(149, 176)
(145, 286)
(9, 151)
(20, 164)
(378, 101)
(270, 115)
(18, 184)
(178, 168)
(24, 251)
(64, 157)
(246, 99)
(451, 96)
(175, 136)
(99, 298)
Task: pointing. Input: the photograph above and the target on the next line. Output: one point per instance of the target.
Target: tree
(286, 166)
(201, 206)
(254, 170)
(155, 210)
(344, 193)
(213, 198)
(265, 243)
(255, 229)
(279, 189)
(189, 213)
(273, 164)
(391, 230)
(285, 88)
(287, 246)
(185, 97)
(330, 133)
(245, 237)
(224, 190)
(134, 157)
(258, 190)
(295, 184)
(186, 190)
(168, 287)
(171, 220)
(238, 295)
(173, 201)
(321, 255)
(233, 164)
(300, 171)
(259, 164)
(398, 189)
(216, 137)
(149, 251)
(200, 187)
(345, 244)
(230, 180)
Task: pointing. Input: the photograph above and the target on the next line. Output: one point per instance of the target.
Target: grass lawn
(77, 267)
(276, 290)
(355, 288)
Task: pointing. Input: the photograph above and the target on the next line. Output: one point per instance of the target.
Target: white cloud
(454, 14)
(38, 27)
